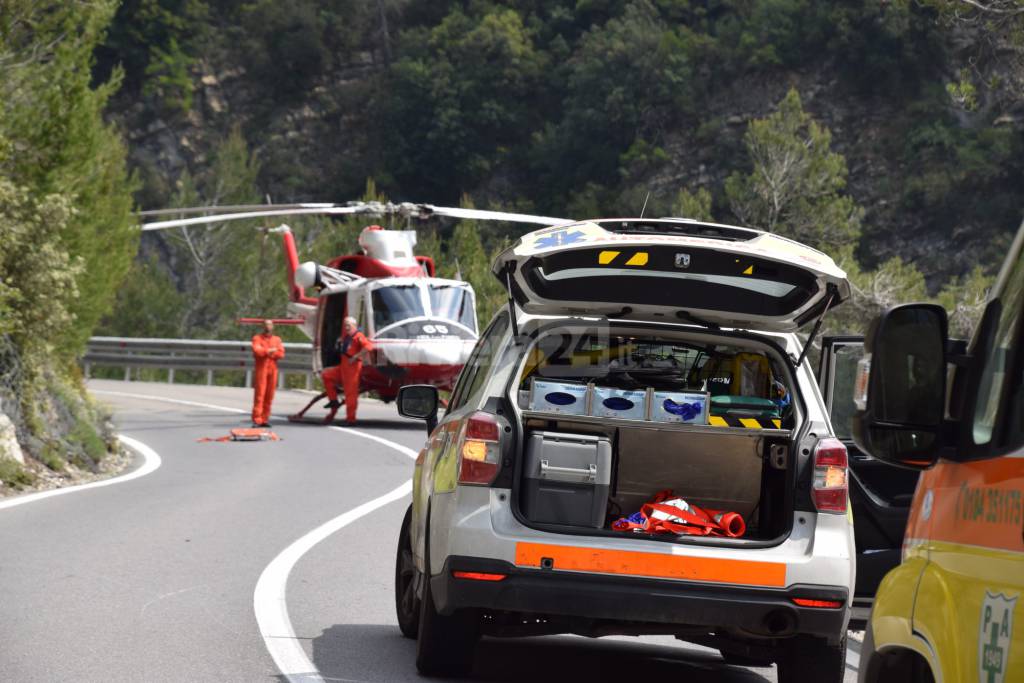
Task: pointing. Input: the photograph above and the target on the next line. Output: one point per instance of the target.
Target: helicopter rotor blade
(220, 218)
(407, 209)
(235, 208)
(483, 215)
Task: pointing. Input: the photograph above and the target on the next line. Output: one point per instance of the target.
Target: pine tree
(795, 185)
(693, 205)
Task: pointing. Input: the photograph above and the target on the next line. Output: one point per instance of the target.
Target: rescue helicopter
(423, 326)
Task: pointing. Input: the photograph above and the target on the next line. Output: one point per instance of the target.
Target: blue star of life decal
(558, 239)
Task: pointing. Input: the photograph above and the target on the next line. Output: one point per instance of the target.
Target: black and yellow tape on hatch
(745, 422)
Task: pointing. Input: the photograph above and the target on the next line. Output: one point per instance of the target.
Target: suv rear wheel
(813, 660)
(446, 643)
(407, 604)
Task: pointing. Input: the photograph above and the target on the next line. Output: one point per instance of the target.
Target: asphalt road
(155, 579)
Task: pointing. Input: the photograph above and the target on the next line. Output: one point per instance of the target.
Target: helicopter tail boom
(296, 294)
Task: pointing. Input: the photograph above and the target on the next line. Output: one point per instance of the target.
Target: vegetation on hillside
(586, 108)
(889, 133)
(582, 107)
(66, 228)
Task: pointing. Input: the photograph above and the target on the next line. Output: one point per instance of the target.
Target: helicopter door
(333, 309)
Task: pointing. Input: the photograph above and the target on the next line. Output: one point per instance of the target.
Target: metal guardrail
(191, 354)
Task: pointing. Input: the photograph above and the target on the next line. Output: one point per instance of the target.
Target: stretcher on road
(243, 434)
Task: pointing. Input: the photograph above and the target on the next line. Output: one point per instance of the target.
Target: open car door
(880, 494)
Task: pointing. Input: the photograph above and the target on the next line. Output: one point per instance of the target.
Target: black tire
(407, 603)
(446, 644)
(733, 659)
(813, 660)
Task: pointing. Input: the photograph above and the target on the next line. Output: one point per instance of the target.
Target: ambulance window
(999, 358)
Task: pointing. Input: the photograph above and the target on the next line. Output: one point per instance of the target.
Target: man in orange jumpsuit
(267, 349)
(353, 347)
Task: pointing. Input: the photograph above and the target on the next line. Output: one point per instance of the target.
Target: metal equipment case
(567, 479)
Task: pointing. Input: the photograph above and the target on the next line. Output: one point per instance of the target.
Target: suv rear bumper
(759, 611)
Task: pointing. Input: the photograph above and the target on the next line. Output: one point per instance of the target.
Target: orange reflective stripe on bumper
(654, 565)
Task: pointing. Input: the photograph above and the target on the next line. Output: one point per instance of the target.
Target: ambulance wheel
(407, 603)
(812, 660)
(446, 643)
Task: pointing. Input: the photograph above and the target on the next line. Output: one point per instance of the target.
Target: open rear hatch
(671, 270)
(615, 415)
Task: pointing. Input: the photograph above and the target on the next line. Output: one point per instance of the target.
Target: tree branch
(1002, 8)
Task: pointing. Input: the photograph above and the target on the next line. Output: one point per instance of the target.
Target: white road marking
(196, 404)
(270, 602)
(152, 462)
(269, 599)
(373, 437)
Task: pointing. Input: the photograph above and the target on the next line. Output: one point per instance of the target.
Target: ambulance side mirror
(900, 391)
(420, 402)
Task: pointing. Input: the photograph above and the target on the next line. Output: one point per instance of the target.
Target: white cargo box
(558, 397)
(676, 406)
(622, 403)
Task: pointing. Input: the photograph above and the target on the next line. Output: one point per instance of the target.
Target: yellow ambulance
(949, 611)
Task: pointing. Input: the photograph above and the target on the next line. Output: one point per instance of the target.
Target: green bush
(85, 436)
(13, 474)
(52, 458)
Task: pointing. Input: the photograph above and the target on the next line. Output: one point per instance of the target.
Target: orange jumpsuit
(347, 373)
(267, 349)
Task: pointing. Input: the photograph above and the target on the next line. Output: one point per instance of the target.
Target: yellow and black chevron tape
(744, 422)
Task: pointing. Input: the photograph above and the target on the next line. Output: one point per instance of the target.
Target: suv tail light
(479, 449)
(830, 476)
(826, 604)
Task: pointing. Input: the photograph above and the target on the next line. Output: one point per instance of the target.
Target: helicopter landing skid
(301, 415)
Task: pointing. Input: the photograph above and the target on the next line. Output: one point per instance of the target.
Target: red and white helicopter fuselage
(423, 327)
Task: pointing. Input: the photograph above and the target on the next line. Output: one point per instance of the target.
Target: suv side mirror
(900, 393)
(420, 402)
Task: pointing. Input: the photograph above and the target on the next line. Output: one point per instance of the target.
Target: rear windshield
(738, 382)
(677, 277)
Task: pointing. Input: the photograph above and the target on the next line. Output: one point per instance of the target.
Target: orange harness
(658, 516)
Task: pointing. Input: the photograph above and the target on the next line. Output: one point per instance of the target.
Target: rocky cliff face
(869, 130)
(9, 447)
(300, 142)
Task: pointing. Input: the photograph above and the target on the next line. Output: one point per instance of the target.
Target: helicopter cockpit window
(394, 304)
(454, 303)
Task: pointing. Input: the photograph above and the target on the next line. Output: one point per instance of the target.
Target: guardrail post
(127, 373)
(170, 375)
(209, 378)
(280, 380)
(88, 370)
(248, 379)
(309, 381)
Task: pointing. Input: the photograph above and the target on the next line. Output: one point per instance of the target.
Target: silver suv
(638, 446)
